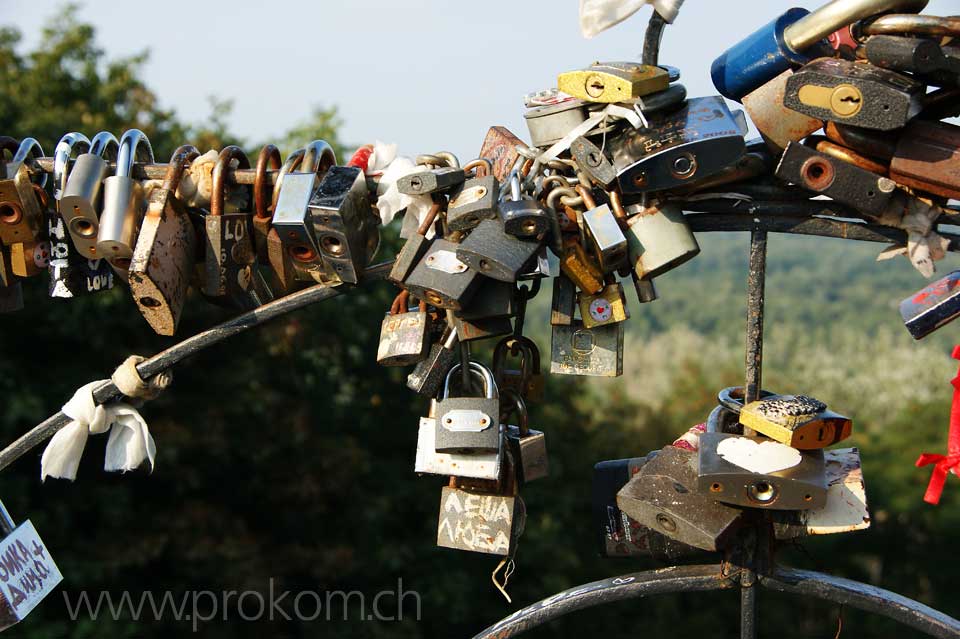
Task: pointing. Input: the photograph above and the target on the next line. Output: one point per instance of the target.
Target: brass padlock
(577, 265)
(606, 307)
(123, 204)
(613, 81)
(796, 420)
(529, 446)
(165, 253)
(82, 198)
(21, 218)
(529, 382)
(404, 334)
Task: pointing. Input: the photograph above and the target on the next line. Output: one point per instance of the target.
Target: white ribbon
(129, 444)
(597, 16)
(633, 116)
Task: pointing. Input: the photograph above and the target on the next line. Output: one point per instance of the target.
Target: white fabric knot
(390, 200)
(130, 442)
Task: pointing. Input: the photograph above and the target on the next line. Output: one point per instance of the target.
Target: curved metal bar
(632, 586)
(865, 597)
(165, 359)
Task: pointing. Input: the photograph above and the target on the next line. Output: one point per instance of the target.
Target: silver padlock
(81, 202)
(529, 446)
(429, 461)
(27, 571)
(659, 239)
(292, 217)
(123, 203)
(469, 424)
(595, 352)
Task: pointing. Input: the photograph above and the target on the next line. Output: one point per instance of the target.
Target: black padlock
(441, 278)
(493, 299)
(469, 424)
(414, 248)
(428, 375)
(476, 200)
(494, 253)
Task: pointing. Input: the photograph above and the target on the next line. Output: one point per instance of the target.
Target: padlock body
(21, 217)
(593, 161)
(659, 239)
(228, 265)
(928, 158)
(31, 574)
(493, 299)
(475, 521)
(476, 200)
(344, 223)
(120, 221)
(934, 306)
(531, 451)
(82, 201)
(778, 124)
(72, 274)
(500, 147)
(428, 375)
(606, 307)
(409, 256)
(798, 487)
(474, 465)
(431, 181)
(783, 419)
(580, 269)
(482, 328)
(441, 279)
(468, 424)
(523, 218)
(29, 258)
(549, 123)
(607, 240)
(404, 339)
(663, 496)
(495, 254)
(610, 82)
(595, 352)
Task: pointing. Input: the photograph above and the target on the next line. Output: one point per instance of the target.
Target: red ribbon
(361, 158)
(949, 463)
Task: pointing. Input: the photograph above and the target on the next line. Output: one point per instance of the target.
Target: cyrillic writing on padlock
(476, 522)
(27, 574)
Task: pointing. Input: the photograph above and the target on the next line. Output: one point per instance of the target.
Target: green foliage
(287, 454)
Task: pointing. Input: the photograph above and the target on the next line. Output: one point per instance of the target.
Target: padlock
(493, 299)
(777, 124)
(927, 157)
(82, 199)
(606, 307)
(404, 334)
(793, 38)
(123, 204)
(229, 255)
(580, 268)
(469, 424)
(607, 241)
(876, 145)
(482, 328)
(413, 250)
(428, 460)
(346, 225)
(924, 57)
(645, 289)
(849, 156)
(29, 572)
(165, 254)
(476, 200)
(659, 239)
(549, 123)
(441, 279)
(848, 184)
(619, 534)
(482, 521)
(539, 267)
(564, 301)
(756, 472)
(796, 420)
(595, 352)
(280, 255)
(529, 446)
(30, 258)
(613, 81)
(701, 138)
(528, 381)
(854, 93)
(269, 159)
(21, 217)
(521, 216)
(429, 374)
(293, 214)
(437, 180)
(932, 307)
(495, 254)
(845, 509)
(663, 496)
(500, 147)
(593, 161)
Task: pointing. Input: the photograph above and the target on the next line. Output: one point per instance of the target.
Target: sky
(427, 75)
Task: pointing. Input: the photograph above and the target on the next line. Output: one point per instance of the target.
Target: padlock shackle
(587, 196)
(30, 147)
(429, 219)
(291, 163)
(486, 376)
(898, 24)
(227, 155)
(134, 145)
(178, 163)
(8, 143)
(269, 158)
(834, 15)
(318, 157)
(400, 302)
(105, 145)
(479, 163)
(7, 524)
(61, 158)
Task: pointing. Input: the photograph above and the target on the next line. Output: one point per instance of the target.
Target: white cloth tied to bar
(597, 16)
(129, 443)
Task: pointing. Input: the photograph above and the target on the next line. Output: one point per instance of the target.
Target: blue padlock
(758, 58)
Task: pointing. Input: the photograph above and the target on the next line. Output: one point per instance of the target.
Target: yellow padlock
(613, 81)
